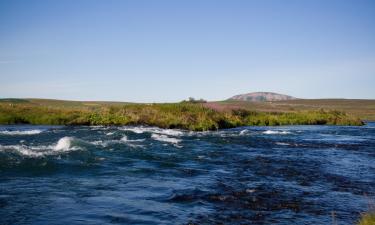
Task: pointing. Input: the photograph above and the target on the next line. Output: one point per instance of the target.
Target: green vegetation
(362, 108)
(185, 115)
(367, 219)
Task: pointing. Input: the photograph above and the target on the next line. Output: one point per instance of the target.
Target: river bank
(187, 116)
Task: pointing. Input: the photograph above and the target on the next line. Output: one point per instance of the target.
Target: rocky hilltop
(261, 97)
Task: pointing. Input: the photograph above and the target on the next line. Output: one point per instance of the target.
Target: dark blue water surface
(144, 175)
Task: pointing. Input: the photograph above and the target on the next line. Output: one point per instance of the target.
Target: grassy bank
(364, 109)
(188, 116)
(367, 219)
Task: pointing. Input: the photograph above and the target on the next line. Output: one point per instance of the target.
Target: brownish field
(364, 109)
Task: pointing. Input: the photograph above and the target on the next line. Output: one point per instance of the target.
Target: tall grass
(367, 219)
(173, 115)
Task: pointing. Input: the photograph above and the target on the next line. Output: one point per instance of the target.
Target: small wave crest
(154, 130)
(20, 132)
(243, 132)
(24, 150)
(123, 140)
(282, 143)
(65, 144)
(276, 132)
(165, 138)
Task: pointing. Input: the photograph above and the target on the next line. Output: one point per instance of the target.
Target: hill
(261, 97)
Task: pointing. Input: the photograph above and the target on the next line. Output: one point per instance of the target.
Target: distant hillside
(261, 97)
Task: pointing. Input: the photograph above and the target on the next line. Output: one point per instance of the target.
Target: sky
(169, 50)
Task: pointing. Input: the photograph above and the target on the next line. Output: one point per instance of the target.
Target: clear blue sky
(162, 51)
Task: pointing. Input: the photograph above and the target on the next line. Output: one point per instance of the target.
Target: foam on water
(98, 127)
(155, 130)
(20, 132)
(31, 151)
(123, 140)
(242, 132)
(165, 138)
(63, 145)
(137, 130)
(282, 143)
(276, 132)
(170, 132)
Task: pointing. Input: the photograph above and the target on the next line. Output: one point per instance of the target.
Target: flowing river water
(147, 175)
